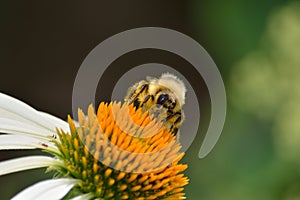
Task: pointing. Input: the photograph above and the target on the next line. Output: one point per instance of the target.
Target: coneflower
(118, 153)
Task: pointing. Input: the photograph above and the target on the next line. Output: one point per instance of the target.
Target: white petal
(25, 163)
(11, 108)
(53, 189)
(23, 128)
(83, 197)
(57, 122)
(8, 142)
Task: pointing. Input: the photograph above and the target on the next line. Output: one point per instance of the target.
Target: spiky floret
(120, 153)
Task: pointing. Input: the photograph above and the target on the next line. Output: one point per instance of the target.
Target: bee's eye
(162, 98)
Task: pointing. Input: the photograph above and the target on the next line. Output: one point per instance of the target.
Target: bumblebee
(162, 97)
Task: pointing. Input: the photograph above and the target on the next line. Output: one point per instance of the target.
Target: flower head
(120, 153)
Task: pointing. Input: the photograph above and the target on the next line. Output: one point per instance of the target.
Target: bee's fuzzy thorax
(175, 84)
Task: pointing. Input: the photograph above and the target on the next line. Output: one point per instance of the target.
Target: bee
(162, 97)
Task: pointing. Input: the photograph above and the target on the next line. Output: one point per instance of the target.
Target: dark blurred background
(43, 44)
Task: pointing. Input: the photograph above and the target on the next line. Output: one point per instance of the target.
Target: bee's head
(162, 98)
(167, 99)
(176, 87)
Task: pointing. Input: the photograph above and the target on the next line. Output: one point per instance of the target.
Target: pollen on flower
(121, 153)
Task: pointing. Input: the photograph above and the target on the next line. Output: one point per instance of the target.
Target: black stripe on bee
(158, 91)
(178, 120)
(144, 87)
(175, 131)
(147, 99)
(173, 115)
(136, 103)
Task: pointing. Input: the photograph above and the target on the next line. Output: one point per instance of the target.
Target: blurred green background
(255, 44)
